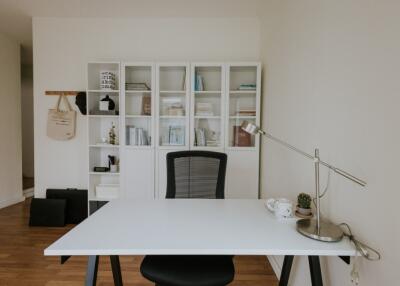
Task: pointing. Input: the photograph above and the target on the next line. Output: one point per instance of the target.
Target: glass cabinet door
(207, 106)
(138, 105)
(172, 105)
(243, 104)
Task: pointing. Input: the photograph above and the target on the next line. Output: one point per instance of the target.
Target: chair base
(188, 270)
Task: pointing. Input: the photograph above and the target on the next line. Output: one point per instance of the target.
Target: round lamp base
(327, 232)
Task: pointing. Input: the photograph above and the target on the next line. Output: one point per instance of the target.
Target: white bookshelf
(242, 175)
(98, 126)
(174, 101)
(172, 115)
(138, 164)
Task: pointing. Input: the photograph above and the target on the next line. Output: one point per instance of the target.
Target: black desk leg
(116, 270)
(285, 274)
(92, 267)
(315, 271)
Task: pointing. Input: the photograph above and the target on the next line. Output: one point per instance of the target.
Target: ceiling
(16, 15)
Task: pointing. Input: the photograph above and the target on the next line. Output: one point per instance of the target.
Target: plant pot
(303, 211)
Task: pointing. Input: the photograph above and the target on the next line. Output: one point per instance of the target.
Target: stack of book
(136, 136)
(246, 112)
(247, 86)
(176, 110)
(212, 143)
(204, 109)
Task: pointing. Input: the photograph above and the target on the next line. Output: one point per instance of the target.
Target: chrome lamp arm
(336, 170)
(318, 229)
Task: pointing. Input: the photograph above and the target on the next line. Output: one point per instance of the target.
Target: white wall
(10, 123)
(63, 46)
(27, 120)
(331, 80)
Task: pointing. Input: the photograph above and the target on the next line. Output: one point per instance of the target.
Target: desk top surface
(190, 226)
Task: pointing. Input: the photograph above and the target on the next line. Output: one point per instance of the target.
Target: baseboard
(12, 201)
(275, 265)
(29, 192)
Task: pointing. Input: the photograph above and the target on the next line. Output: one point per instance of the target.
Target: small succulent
(304, 200)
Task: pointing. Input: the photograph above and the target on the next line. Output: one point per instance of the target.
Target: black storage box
(47, 212)
(77, 203)
(96, 205)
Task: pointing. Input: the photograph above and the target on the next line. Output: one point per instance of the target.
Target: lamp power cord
(361, 249)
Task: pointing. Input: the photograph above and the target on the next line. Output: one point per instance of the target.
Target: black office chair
(192, 174)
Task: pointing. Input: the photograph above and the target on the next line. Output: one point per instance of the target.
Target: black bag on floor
(77, 203)
(47, 212)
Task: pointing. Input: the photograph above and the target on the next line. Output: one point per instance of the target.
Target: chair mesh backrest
(196, 174)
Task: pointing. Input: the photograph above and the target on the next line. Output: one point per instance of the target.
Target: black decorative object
(80, 101)
(101, 169)
(111, 103)
(47, 212)
(77, 203)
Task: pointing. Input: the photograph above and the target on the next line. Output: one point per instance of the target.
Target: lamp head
(250, 128)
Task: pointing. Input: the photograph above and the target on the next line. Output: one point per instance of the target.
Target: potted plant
(304, 204)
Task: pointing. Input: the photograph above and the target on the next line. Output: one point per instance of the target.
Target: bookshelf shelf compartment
(103, 116)
(99, 125)
(210, 92)
(238, 137)
(137, 92)
(138, 116)
(243, 92)
(104, 146)
(207, 117)
(242, 117)
(169, 92)
(103, 174)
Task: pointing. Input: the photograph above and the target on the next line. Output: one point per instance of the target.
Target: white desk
(236, 227)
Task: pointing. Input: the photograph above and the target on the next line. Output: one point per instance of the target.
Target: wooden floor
(22, 261)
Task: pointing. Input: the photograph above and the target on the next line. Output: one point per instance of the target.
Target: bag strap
(58, 103)
(65, 99)
(67, 102)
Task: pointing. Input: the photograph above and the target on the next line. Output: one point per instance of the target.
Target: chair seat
(188, 270)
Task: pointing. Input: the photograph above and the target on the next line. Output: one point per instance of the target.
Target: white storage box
(107, 191)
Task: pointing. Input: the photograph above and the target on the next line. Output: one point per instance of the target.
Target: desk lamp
(317, 228)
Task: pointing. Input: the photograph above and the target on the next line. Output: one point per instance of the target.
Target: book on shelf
(199, 83)
(240, 137)
(247, 86)
(206, 137)
(176, 110)
(136, 136)
(246, 112)
(176, 135)
(146, 105)
(172, 106)
(200, 137)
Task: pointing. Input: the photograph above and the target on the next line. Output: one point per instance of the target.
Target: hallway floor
(22, 261)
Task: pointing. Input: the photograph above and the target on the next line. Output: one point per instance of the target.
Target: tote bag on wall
(61, 123)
